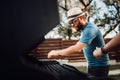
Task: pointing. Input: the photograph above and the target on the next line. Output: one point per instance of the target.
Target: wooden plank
(42, 49)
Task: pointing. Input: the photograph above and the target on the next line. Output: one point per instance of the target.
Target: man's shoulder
(90, 24)
(91, 29)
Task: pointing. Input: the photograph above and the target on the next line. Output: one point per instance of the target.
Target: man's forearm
(73, 49)
(113, 44)
(69, 50)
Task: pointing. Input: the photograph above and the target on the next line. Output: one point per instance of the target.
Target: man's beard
(79, 27)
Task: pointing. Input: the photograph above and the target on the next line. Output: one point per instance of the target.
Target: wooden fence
(41, 51)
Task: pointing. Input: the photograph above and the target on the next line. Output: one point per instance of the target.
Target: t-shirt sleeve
(88, 35)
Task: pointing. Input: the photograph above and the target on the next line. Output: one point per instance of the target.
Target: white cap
(73, 13)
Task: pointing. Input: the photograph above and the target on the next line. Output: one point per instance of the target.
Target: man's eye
(71, 22)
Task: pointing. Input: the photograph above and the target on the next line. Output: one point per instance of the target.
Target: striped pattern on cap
(73, 13)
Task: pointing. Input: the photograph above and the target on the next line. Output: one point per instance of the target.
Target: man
(113, 44)
(90, 39)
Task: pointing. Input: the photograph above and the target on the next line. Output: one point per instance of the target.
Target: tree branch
(63, 8)
(111, 28)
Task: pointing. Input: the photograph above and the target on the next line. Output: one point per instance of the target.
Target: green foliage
(64, 31)
(104, 13)
(67, 33)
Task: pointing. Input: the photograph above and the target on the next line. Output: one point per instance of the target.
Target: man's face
(76, 23)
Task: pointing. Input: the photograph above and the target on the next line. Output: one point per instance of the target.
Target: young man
(111, 45)
(90, 39)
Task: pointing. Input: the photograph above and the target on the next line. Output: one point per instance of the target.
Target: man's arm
(113, 44)
(70, 50)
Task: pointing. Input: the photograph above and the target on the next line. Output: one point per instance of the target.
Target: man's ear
(80, 18)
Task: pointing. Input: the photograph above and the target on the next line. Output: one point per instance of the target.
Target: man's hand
(97, 53)
(53, 54)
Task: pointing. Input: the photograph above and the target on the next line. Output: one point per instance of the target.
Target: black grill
(53, 67)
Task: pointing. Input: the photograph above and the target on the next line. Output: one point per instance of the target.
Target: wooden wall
(41, 51)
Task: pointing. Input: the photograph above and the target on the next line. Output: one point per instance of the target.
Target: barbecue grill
(54, 68)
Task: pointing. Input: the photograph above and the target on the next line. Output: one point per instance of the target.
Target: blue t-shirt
(93, 38)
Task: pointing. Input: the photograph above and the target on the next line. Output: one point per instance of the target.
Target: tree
(104, 13)
(111, 18)
(66, 32)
